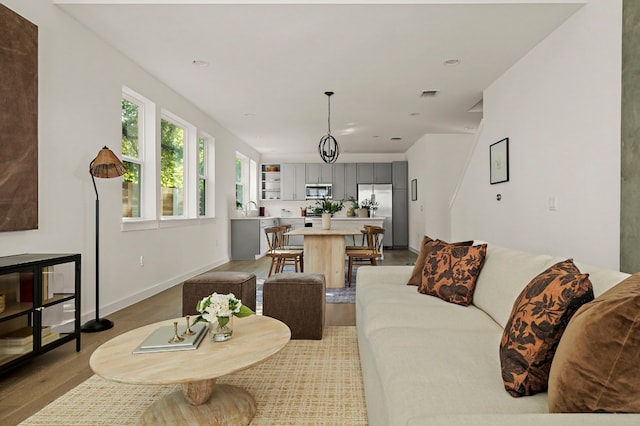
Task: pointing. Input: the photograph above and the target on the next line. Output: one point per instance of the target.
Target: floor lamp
(105, 165)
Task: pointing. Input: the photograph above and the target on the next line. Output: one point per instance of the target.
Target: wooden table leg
(221, 405)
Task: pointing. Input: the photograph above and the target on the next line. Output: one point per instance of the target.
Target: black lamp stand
(97, 324)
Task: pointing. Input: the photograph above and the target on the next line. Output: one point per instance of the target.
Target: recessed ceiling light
(375, 136)
(200, 63)
(450, 62)
(413, 114)
(396, 138)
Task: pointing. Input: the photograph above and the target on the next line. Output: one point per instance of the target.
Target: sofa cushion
(425, 248)
(538, 319)
(451, 271)
(500, 283)
(595, 368)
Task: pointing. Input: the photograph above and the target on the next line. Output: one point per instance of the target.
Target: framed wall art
(19, 123)
(499, 161)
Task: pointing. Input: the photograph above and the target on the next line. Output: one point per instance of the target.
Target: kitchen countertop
(347, 218)
(254, 217)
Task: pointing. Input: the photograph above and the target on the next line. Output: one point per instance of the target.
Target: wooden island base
(227, 405)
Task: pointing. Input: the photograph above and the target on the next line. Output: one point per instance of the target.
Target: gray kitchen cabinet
(364, 173)
(382, 173)
(293, 181)
(400, 218)
(248, 241)
(374, 173)
(344, 181)
(319, 173)
(400, 172)
(338, 188)
(350, 180)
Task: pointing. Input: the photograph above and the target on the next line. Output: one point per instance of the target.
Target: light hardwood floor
(35, 384)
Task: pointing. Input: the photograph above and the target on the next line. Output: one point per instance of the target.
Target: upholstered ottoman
(298, 300)
(241, 284)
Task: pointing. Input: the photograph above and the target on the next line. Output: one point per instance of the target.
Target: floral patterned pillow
(425, 248)
(451, 271)
(539, 316)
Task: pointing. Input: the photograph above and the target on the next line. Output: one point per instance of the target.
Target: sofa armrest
(392, 275)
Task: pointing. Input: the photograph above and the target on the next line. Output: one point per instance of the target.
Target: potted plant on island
(327, 208)
(353, 210)
(370, 207)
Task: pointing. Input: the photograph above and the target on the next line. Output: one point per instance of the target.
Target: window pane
(201, 157)
(239, 195)
(172, 168)
(130, 145)
(238, 170)
(202, 186)
(131, 190)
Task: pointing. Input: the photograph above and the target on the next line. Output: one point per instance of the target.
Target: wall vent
(429, 93)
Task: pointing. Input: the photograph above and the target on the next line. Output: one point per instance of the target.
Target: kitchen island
(324, 251)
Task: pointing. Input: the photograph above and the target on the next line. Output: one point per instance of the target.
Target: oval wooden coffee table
(201, 401)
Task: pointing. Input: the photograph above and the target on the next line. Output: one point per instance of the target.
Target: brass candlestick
(188, 331)
(175, 338)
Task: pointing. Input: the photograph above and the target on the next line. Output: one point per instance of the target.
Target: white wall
(80, 83)
(436, 161)
(560, 108)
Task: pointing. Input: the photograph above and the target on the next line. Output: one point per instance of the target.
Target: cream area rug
(309, 382)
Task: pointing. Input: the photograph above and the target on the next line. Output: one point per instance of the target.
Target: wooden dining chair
(279, 254)
(370, 253)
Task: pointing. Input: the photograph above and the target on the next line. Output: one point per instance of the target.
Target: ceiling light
(396, 138)
(413, 114)
(328, 146)
(200, 63)
(451, 62)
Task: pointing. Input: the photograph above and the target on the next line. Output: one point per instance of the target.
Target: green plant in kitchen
(369, 204)
(325, 205)
(351, 211)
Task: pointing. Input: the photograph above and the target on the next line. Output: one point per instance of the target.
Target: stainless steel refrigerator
(383, 195)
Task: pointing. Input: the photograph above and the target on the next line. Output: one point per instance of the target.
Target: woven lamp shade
(106, 165)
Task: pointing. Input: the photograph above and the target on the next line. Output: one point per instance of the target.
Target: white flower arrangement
(220, 307)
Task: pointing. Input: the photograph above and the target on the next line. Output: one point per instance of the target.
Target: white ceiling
(270, 64)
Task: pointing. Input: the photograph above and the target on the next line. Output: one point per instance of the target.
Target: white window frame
(146, 159)
(209, 162)
(190, 168)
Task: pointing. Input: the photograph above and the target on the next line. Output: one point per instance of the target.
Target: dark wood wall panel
(18, 122)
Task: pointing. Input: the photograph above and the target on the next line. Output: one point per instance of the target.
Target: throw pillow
(595, 368)
(451, 271)
(538, 318)
(425, 248)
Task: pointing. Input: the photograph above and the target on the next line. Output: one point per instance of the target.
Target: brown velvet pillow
(425, 248)
(539, 317)
(595, 368)
(451, 271)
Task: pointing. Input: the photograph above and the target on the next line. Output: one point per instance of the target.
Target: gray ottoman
(297, 299)
(241, 284)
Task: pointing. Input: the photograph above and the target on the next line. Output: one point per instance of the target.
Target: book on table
(158, 340)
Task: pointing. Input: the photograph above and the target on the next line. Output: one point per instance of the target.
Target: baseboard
(131, 299)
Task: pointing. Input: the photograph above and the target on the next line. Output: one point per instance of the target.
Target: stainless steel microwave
(316, 191)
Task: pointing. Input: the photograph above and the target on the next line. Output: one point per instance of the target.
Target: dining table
(324, 252)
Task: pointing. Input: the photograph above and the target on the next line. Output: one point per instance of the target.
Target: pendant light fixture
(328, 147)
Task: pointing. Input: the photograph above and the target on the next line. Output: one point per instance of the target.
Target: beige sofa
(426, 361)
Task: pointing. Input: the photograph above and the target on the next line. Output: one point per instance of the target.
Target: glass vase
(222, 329)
